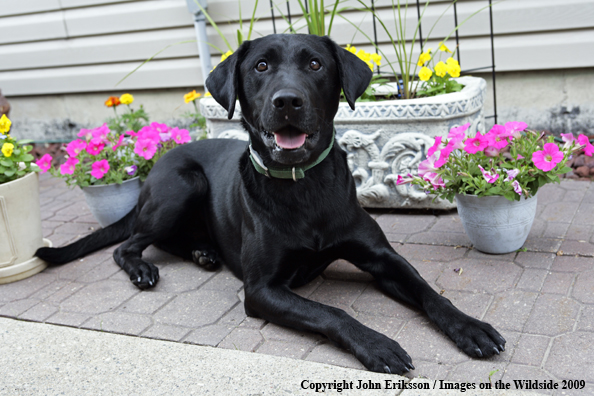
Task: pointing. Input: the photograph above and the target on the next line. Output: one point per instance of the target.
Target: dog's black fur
(204, 201)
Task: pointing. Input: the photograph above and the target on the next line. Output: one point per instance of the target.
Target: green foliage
(18, 163)
(132, 120)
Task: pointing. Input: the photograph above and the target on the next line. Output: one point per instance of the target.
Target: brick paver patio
(541, 298)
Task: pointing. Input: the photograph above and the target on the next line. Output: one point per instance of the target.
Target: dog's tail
(114, 233)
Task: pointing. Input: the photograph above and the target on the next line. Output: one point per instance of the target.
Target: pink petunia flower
(444, 154)
(515, 127)
(87, 134)
(75, 147)
(131, 133)
(475, 144)
(428, 165)
(69, 166)
(437, 145)
(401, 180)
(118, 144)
(160, 128)
(547, 158)
(511, 174)
(584, 141)
(498, 137)
(44, 163)
(95, 146)
(568, 138)
(100, 133)
(458, 132)
(517, 187)
(491, 151)
(490, 177)
(180, 136)
(146, 148)
(99, 168)
(149, 133)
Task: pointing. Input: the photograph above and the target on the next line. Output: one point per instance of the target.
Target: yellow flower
(190, 96)
(453, 69)
(126, 99)
(208, 94)
(440, 69)
(5, 124)
(351, 49)
(443, 48)
(377, 59)
(425, 73)
(7, 149)
(226, 55)
(424, 57)
(452, 61)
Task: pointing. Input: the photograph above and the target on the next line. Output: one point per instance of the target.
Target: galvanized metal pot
(494, 224)
(111, 202)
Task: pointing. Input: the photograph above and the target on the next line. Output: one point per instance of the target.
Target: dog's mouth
(288, 138)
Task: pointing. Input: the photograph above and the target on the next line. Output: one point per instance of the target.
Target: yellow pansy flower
(351, 49)
(208, 94)
(425, 73)
(443, 48)
(226, 55)
(424, 57)
(5, 124)
(452, 61)
(377, 59)
(190, 96)
(7, 149)
(440, 69)
(453, 69)
(126, 99)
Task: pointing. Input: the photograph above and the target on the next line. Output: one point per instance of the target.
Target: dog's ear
(222, 82)
(354, 74)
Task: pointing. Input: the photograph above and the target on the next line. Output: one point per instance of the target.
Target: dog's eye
(315, 65)
(262, 66)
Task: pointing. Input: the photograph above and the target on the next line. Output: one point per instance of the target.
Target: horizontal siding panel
(34, 27)
(98, 49)
(86, 3)
(127, 17)
(17, 7)
(103, 78)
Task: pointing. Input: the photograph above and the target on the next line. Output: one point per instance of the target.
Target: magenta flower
(401, 180)
(436, 146)
(99, 168)
(160, 128)
(149, 133)
(490, 177)
(517, 187)
(475, 144)
(515, 127)
(87, 134)
(100, 133)
(131, 133)
(118, 144)
(568, 138)
(95, 146)
(458, 132)
(511, 174)
(547, 158)
(584, 141)
(180, 136)
(69, 166)
(75, 147)
(498, 137)
(444, 154)
(44, 163)
(146, 148)
(428, 165)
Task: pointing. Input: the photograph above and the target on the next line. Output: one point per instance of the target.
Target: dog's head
(289, 87)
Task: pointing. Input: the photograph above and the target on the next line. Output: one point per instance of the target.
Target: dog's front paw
(145, 275)
(478, 339)
(207, 259)
(383, 355)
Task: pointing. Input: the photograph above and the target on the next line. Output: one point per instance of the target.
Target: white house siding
(75, 47)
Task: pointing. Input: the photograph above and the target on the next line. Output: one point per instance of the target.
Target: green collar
(294, 172)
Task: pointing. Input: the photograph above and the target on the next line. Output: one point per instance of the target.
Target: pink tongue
(290, 141)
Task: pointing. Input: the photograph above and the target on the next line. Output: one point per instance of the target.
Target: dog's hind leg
(198, 250)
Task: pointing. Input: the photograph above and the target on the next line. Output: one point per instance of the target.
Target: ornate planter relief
(386, 139)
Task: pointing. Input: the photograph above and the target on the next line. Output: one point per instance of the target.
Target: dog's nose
(287, 99)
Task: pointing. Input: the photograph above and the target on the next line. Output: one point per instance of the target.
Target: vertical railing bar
(289, 13)
(455, 26)
(273, 20)
(493, 59)
(374, 31)
(419, 22)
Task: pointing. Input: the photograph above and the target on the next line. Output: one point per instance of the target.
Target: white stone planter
(20, 229)
(494, 224)
(386, 138)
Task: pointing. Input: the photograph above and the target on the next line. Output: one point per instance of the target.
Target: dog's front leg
(279, 305)
(368, 249)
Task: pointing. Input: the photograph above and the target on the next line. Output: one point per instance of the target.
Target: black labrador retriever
(280, 210)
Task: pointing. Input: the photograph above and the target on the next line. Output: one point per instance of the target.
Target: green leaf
(6, 163)
(9, 173)
(24, 141)
(564, 170)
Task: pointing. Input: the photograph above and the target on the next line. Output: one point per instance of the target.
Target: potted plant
(495, 179)
(394, 123)
(110, 165)
(20, 220)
